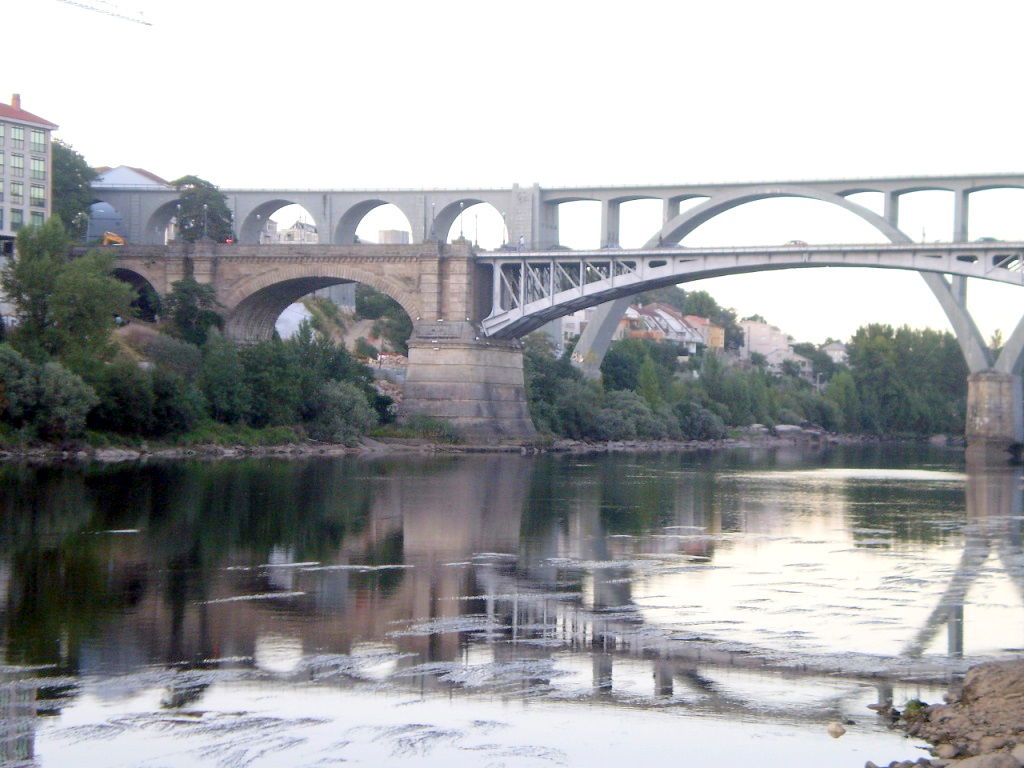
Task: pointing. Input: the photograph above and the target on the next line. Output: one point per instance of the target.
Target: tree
(72, 194)
(222, 379)
(190, 306)
(64, 307)
(203, 212)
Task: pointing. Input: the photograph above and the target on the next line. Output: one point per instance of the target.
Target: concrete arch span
(348, 223)
(251, 307)
(256, 219)
(444, 219)
(594, 342)
(686, 222)
(159, 220)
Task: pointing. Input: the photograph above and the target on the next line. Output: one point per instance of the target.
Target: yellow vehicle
(112, 238)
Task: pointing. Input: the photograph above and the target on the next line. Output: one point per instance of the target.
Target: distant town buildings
(776, 347)
(660, 322)
(26, 178)
(836, 350)
(712, 335)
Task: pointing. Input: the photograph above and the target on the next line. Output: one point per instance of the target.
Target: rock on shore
(981, 725)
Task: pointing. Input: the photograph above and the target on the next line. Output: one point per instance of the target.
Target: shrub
(64, 402)
(222, 379)
(342, 414)
(19, 387)
(178, 406)
(365, 349)
(125, 396)
(698, 423)
(175, 355)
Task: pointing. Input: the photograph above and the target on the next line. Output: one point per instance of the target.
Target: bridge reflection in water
(489, 574)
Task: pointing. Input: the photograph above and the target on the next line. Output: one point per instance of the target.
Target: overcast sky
(310, 94)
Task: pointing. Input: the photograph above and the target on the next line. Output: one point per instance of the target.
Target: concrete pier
(476, 385)
(995, 416)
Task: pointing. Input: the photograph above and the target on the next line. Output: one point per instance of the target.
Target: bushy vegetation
(901, 382)
(61, 374)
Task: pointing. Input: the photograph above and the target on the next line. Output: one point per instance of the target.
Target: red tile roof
(12, 113)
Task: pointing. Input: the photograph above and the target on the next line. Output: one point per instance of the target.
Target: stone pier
(995, 416)
(474, 383)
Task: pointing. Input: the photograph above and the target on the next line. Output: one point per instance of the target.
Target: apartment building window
(3, 128)
(37, 219)
(37, 168)
(17, 165)
(1, 163)
(17, 136)
(37, 196)
(17, 219)
(37, 140)
(1, 218)
(17, 192)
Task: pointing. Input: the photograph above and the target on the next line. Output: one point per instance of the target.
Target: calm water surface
(714, 609)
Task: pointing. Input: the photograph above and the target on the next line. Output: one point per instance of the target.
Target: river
(699, 609)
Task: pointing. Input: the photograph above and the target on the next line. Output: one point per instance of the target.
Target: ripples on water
(496, 610)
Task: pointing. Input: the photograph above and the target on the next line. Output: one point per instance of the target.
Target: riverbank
(981, 724)
(752, 437)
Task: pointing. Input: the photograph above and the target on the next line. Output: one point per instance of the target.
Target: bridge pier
(995, 415)
(477, 385)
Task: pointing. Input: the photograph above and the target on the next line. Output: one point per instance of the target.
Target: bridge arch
(159, 221)
(147, 297)
(686, 222)
(495, 226)
(251, 227)
(252, 306)
(596, 338)
(345, 231)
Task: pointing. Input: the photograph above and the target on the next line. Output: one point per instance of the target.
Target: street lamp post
(462, 207)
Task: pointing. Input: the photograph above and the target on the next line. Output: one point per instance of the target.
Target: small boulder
(835, 730)
(991, 760)
(947, 751)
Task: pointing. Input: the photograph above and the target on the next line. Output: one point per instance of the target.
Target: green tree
(273, 381)
(64, 402)
(85, 301)
(648, 383)
(191, 309)
(72, 194)
(222, 380)
(342, 413)
(64, 307)
(203, 212)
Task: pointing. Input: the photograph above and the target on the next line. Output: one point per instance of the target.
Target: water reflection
(775, 588)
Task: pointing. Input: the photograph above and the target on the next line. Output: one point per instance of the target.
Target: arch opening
(279, 221)
(147, 301)
(639, 220)
(374, 311)
(103, 217)
(475, 221)
(780, 220)
(926, 215)
(873, 201)
(162, 225)
(579, 224)
(373, 221)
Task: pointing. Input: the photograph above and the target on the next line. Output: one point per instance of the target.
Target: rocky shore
(980, 725)
(750, 437)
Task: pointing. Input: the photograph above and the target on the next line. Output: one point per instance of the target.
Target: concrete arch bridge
(469, 307)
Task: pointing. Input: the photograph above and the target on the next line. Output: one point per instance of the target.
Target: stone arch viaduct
(468, 308)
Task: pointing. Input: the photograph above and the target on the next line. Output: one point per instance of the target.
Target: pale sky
(310, 94)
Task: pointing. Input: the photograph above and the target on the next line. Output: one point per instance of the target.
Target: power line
(105, 11)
